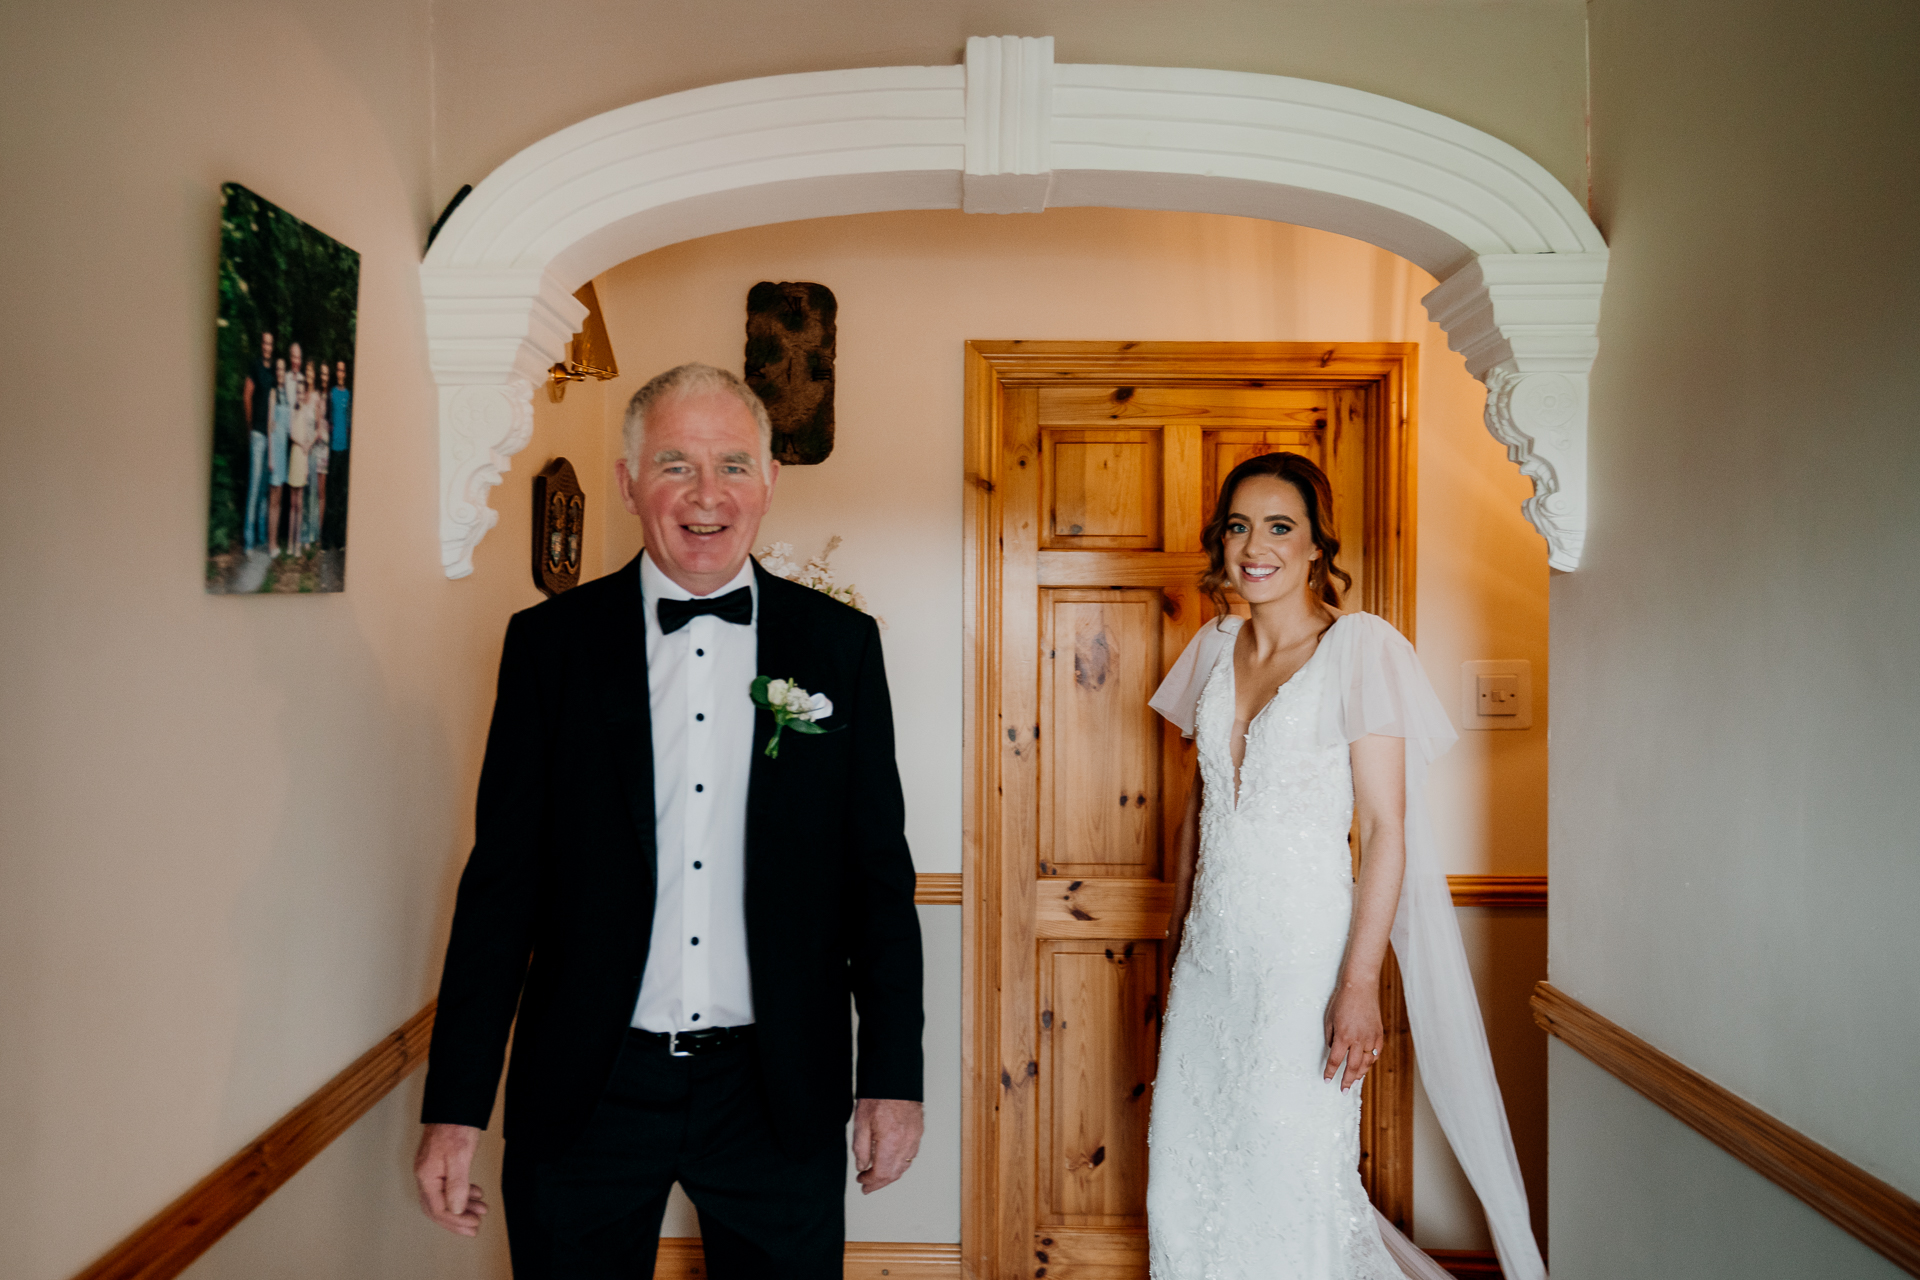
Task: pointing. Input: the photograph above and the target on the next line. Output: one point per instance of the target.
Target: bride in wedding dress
(1304, 719)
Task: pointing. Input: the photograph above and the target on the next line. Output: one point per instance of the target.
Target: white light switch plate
(1515, 691)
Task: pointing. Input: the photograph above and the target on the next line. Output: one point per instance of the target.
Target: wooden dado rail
(1879, 1215)
(172, 1239)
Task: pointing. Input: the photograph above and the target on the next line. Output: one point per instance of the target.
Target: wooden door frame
(999, 762)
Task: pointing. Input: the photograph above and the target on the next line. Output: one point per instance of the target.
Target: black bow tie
(735, 607)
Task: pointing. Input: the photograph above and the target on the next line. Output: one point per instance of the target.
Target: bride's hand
(1355, 1033)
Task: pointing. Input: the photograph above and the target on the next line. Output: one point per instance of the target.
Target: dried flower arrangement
(777, 559)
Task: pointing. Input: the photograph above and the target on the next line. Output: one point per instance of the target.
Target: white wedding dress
(1253, 1163)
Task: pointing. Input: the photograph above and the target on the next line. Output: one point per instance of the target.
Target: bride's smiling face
(1268, 540)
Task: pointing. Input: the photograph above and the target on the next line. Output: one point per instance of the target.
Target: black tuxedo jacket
(555, 909)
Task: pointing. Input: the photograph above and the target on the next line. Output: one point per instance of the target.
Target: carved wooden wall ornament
(790, 345)
(559, 527)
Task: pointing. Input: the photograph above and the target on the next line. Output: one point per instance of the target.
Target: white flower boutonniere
(792, 707)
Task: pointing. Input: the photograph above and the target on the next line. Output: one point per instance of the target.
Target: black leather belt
(692, 1044)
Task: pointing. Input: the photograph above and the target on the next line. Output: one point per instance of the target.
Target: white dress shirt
(699, 681)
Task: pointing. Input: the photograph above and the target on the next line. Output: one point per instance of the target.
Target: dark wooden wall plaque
(559, 522)
(790, 345)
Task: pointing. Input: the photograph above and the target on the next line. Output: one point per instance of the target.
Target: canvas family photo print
(283, 402)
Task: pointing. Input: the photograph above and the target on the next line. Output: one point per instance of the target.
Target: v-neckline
(1233, 691)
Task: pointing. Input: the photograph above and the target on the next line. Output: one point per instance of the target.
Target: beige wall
(912, 288)
(508, 73)
(230, 825)
(1734, 773)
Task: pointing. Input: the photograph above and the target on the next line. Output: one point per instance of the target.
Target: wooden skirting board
(680, 1259)
(1881, 1216)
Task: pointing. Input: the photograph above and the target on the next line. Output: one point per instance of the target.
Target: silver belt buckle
(673, 1046)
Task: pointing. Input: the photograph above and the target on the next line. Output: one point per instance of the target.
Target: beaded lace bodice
(1253, 1171)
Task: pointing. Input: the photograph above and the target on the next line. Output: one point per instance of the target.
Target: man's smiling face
(701, 484)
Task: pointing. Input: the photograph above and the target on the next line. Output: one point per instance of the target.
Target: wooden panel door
(1093, 468)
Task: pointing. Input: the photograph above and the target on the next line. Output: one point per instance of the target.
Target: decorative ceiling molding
(1009, 131)
(1009, 125)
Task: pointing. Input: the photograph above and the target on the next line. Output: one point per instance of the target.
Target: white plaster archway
(1521, 265)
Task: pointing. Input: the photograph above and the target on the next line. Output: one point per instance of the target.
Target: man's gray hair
(689, 380)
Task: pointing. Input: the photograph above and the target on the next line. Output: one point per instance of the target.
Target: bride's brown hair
(1304, 475)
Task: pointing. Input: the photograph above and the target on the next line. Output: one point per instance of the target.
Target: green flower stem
(782, 717)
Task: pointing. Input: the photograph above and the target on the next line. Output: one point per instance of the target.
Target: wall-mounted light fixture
(589, 355)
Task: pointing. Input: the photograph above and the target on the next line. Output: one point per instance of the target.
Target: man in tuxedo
(678, 915)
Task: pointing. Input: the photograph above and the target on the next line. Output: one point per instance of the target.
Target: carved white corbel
(492, 336)
(1009, 124)
(1527, 324)
(481, 428)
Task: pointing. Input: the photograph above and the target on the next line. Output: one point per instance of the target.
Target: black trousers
(594, 1212)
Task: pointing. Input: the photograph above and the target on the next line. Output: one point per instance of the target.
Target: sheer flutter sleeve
(1179, 694)
(1378, 686)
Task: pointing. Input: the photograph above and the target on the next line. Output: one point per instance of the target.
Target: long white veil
(1376, 685)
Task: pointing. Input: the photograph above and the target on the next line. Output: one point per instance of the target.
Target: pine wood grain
(1099, 1043)
(1090, 467)
(1102, 489)
(1186, 508)
(1075, 1253)
(1122, 569)
(680, 1258)
(1007, 870)
(979, 819)
(1213, 405)
(1104, 907)
(1018, 705)
(1100, 743)
(172, 1239)
(1192, 364)
(1881, 1216)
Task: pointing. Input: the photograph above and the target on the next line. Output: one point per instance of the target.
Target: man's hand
(886, 1138)
(446, 1154)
